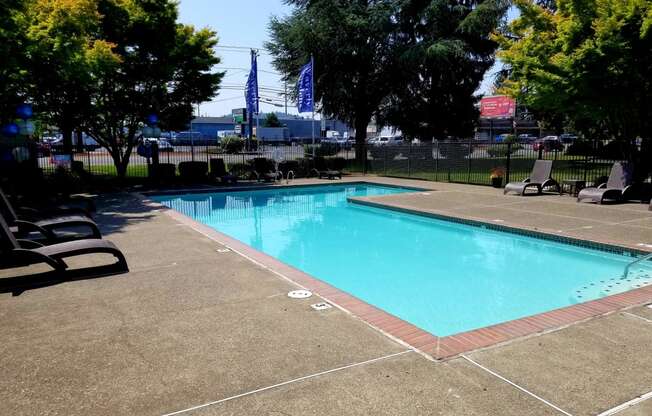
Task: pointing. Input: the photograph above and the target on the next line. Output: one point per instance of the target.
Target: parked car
(548, 144)
(163, 144)
(526, 137)
(388, 141)
(567, 138)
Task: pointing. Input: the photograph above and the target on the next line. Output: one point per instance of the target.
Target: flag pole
(312, 96)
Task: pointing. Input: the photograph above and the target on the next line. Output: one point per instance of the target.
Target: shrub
(232, 144)
(336, 163)
(165, 171)
(580, 148)
(323, 149)
(241, 170)
(501, 150)
(455, 150)
(289, 165)
(193, 171)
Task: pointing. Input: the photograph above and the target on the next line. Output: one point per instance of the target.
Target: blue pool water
(441, 276)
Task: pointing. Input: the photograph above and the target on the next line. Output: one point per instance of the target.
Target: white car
(388, 141)
(163, 145)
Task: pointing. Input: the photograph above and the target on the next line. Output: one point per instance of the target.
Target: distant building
(210, 128)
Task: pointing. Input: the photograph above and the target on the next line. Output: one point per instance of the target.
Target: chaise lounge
(323, 171)
(616, 187)
(218, 171)
(46, 225)
(264, 170)
(19, 253)
(540, 178)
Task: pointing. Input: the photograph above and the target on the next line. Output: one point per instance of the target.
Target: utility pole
(286, 97)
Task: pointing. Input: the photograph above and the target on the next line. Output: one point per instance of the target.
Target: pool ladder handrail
(287, 176)
(646, 257)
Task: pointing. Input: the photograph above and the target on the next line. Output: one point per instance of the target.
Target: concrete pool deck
(195, 330)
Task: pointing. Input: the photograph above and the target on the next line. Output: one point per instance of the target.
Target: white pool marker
(425, 193)
(299, 294)
(498, 220)
(321, 306)
(223, 250)
(644, 245)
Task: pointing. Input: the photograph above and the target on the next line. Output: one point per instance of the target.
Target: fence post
(437, 161)
(384, 161)
(540, 152)
(508, 161)
(410, 161)
(468, 169)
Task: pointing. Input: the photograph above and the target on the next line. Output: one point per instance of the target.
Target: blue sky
(244, 23)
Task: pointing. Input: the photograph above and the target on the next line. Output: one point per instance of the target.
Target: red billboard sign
(497, 106)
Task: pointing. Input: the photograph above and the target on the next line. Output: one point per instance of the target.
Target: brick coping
(439, 348)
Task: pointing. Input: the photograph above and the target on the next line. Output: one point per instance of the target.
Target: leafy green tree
(586, 64)
(351, 41)
(104, 66)
(150, 64)
(61, 47)
(13, 66)
(445, 49)
(271, 120)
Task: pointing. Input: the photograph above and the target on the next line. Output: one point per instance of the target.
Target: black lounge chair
(21, 253)
(80, 207)
(540, 178)
(616, 187)
(218, 171)
(46, 226)
(264, 170)
(323, 171)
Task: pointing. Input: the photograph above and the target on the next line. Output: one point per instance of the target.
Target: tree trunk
(361, 141)
(67, 140)
(80, 142)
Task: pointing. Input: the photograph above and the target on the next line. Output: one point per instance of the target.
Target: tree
(156, 66)
(445, 49)
(105, 65)
(351, 41)
(585, 62)
(61, 47)
(271, 120)
(13, 63)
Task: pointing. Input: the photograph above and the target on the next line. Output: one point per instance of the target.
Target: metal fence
(468, 161)
(473, 162)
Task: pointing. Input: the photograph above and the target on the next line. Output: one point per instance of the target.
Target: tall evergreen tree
(351, 41)
(445, 49)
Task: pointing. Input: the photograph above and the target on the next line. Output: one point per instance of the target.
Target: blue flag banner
(305, 102)
(251, 89)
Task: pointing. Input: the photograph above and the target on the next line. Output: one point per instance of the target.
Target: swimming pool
(441, 276)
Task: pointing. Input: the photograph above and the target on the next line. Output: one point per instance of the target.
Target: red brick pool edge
(438, 348)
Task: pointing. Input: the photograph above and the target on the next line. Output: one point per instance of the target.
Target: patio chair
(218, 170)
(80, 207)
(540, 178)
(323, 171)
(20, 253)
(264, 170)
(46, 226)
(616, 187)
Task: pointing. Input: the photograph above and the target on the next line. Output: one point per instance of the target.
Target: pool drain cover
(320, 306)
(300, 294)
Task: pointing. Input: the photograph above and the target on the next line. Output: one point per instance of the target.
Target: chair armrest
(602, 185)
(27, 227)
(29, 243)
(526, 180)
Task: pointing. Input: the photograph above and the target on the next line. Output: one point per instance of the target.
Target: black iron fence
(476, 162)
(469, 161)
